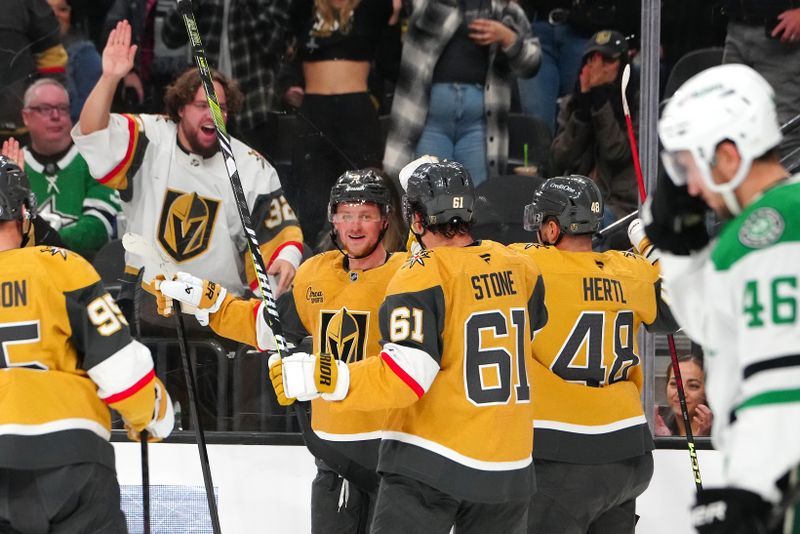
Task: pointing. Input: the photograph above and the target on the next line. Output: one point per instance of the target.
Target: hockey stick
(673, 353)
(365, 478)
(191, 388)
(143, 436)
(136, 244)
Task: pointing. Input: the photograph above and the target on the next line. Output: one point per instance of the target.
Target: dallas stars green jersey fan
(82, 210)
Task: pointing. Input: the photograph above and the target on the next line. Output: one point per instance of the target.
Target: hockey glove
(730, 511)
(163, 417)
(305, 376)
(163, 303)
(641, 243)
(674, 220)
(202, 296)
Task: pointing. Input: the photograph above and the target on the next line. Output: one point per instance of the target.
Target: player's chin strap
(27, 233)
(335, 239)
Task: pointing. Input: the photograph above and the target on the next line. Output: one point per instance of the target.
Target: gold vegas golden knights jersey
(456, 331)
(587, 372)
(339, 308)
(66, 355)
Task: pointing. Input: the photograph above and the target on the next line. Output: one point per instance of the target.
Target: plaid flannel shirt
(257, 33)
(432, 24)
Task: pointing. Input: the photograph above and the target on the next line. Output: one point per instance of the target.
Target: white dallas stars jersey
(184, 203)
(739, 298)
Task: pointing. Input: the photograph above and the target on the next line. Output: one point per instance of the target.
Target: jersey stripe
(75, 423)
(410, 382)
(123, 166)
(122, 395)
(455, 456)
(590, 429)
(122, 371)
(359, 436)
(773, 363)
(782, 396)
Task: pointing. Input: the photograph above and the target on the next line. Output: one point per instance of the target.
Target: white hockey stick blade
(626, 77)
(136, 244)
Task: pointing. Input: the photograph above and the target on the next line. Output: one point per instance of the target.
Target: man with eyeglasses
(173, 181)
(82, 210)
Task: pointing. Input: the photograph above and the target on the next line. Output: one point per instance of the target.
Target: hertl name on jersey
(596, 288)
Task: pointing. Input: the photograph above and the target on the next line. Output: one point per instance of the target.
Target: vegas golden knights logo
(344, 334)
(187, 221)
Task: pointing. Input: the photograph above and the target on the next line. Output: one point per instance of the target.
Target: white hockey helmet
(729, 102)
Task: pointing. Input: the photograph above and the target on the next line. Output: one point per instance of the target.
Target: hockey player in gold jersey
(335, 300)
(456, 325)
(588, 423)
(66, 356)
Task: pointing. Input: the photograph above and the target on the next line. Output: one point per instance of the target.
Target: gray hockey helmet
(360, 186)
(442, 192)
(574, 201)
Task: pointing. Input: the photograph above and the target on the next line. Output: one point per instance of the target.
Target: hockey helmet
(574, 201)
(15, 192)
(729, 102)
(441, 191)
(360, 186)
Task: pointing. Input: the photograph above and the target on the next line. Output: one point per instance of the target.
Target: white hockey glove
(641, 243)
(163, 417)
(303, 377)
(203, 296)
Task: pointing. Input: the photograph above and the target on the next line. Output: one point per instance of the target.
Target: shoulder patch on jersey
(55, 251)
(534, 245)
(418, 258)
(761, 228)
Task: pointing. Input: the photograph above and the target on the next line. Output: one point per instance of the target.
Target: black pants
(407, 506)
(588, 499)
(328, 516)
(79, 499)
(334, 133)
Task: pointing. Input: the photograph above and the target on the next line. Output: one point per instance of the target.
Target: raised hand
(119, 52)
(12, 151)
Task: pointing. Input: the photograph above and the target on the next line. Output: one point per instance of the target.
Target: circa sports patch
(761, 228)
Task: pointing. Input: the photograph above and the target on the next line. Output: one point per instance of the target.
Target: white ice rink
(267, 489)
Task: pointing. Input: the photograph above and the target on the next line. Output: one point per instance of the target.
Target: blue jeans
(455, 128)
(562, 53)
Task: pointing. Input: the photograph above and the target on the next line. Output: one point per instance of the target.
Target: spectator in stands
(669, 419)
(83, 65)
(82, 210)
(564, 28)
(247, 50)
(337, 127)
(143, 87)
(174, 184)
(765, 35)
(563, 45)
(453, 93)
(29, 46)
(592, 138)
